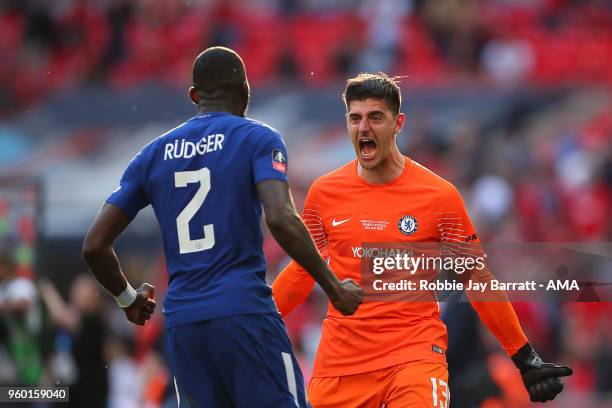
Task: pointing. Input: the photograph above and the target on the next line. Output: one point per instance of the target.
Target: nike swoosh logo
(336, 223)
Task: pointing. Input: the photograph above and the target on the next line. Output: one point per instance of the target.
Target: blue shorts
(235, 361)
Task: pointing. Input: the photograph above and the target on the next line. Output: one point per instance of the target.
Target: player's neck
(207, 108)
(386, 171)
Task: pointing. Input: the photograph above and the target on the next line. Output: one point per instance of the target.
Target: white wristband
(127, 297)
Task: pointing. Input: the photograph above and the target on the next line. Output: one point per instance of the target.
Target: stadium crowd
(47, 46)
(544, 173)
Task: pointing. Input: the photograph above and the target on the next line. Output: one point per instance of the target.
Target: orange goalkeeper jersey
(342, 211)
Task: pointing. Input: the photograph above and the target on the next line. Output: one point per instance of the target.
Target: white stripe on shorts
(178, 396)
(290, 376)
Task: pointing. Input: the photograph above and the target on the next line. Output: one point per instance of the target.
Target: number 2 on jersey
(186, 244)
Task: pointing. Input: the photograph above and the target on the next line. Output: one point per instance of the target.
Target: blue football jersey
(200, 180)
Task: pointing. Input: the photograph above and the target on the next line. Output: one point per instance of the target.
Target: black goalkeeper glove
(542, 380)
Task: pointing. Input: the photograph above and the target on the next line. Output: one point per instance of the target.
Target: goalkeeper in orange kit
(391, 353)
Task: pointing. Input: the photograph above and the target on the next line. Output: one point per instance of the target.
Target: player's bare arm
(99, 254)
(292, 235)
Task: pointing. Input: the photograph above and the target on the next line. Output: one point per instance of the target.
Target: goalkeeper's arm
(542, 380)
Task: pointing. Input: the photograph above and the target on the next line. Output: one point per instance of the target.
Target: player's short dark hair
(377, 86)
(219, 74)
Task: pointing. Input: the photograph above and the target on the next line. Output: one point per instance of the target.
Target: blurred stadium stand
(510, 100)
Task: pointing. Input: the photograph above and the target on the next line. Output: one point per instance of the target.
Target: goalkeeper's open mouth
(367, 148)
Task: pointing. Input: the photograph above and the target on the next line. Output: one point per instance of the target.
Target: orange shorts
(416, 384)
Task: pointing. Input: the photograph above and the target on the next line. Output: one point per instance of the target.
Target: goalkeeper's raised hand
(542, 380)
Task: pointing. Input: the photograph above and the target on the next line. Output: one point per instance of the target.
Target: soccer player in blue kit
(207, 180)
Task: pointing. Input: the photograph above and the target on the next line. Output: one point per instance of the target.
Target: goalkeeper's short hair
(377, 86)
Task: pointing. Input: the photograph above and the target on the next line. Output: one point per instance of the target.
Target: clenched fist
(143, 307)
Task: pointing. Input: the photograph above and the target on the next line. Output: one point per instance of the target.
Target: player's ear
(245, 95)
(193, 95)
(399, 122)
